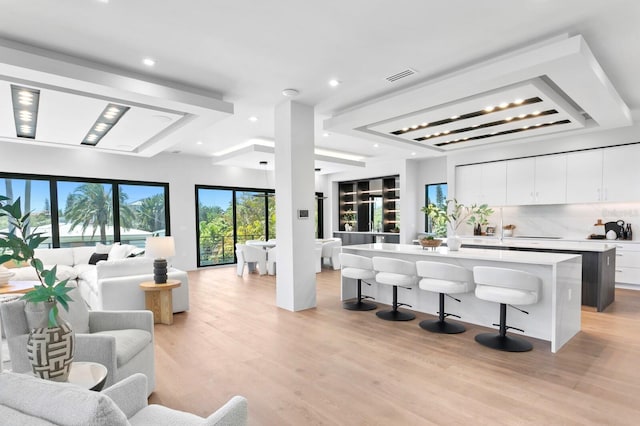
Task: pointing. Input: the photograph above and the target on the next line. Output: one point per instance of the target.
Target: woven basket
(430, 243)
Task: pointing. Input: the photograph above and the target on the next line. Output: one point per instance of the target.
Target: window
(142, 213)
(35, 196)
(79, 211)
(435, 194)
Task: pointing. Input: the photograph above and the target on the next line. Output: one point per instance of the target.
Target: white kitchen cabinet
(468, 179)
(537, 180)
(584, 176)
(628, 265)
(621, 174)
(482, 183)
(551, 179)
(521, 175)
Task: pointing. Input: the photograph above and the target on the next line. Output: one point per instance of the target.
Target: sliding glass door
(231, 215)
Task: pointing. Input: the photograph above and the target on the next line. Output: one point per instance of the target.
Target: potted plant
(349, 218)
(454, 215)
(19, 244)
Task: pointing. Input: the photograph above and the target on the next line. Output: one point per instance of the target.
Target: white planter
(454, 242)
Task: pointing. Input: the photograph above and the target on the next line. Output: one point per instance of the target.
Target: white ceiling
(219, 63)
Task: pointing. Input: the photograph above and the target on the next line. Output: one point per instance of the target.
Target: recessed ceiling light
(504, 105)
(376, 145)
(325, 134)
(199, 143)
(413, 153)
(149, 62)
(489, 108)
(109, 117)
(253, 118)
(334, 83)
(25, 110)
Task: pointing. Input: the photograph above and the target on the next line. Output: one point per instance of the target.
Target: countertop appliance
(617, 227)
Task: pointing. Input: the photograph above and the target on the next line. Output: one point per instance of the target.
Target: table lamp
(160, 248)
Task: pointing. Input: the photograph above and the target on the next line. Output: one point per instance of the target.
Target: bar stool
(444, 279)
(506, 287)
(359, 268)
(397, 273)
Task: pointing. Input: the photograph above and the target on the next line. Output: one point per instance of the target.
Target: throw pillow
(137, 252)
(97, 257)
(103, 248)
(119, 252)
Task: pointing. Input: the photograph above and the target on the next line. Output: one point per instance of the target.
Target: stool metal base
(443, 327)
(359, 305)
(395, 315)
(503, 343)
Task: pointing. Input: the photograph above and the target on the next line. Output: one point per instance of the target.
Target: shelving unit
(359, 196)
(348, 201)
(390, 203)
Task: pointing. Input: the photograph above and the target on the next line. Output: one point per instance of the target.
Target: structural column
(295, 189)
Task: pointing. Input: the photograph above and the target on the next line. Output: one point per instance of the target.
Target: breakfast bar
(555, 318)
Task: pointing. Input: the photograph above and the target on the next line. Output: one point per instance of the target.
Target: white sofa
(110, 284)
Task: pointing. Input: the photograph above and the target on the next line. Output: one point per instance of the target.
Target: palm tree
(91, 205)
(151, 213)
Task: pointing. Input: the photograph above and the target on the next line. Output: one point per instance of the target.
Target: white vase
(454, 242)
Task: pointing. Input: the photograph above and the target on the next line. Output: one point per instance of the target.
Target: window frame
(115, 191)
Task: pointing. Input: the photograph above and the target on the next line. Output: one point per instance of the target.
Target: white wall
(182, 172)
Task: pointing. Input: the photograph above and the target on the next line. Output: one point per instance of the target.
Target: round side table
(89, 375)
(158, 298)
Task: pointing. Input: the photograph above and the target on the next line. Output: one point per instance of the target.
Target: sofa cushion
(124, 267)
(28, 273)
(57, 256)
(58, 403)
(157, 414)
(129, 343)
(11, 416)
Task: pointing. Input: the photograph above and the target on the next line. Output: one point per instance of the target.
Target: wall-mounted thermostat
(303, 214)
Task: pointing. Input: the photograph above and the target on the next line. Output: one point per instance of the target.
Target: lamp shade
(160, 247)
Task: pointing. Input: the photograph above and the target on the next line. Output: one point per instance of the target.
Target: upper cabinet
(482, 183)
(621, 174)
(604, 175)
(584, 176)
(590, 176)
(537, 180)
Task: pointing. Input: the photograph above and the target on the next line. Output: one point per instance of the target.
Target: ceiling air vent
(400, 75)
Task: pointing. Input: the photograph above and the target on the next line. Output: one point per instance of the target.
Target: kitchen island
(555, 318)
(598, 262)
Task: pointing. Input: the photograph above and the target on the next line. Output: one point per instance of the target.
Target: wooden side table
(18, 287)
(158, 298)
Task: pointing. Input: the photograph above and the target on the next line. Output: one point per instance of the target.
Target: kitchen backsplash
(573, 221)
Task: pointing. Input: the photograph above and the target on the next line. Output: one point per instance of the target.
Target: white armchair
(124, 403)
(122, 341)
(252, 256)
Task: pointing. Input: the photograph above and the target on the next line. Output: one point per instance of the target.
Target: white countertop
(366, 232)
(543, 243)
(529, 257)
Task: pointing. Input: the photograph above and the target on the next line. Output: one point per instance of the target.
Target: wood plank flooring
(330, 366)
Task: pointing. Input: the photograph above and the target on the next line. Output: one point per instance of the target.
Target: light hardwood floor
(330, 366)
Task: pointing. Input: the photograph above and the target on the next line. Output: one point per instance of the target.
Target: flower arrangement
(456, 214)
